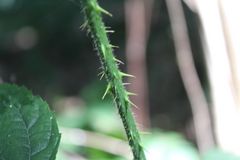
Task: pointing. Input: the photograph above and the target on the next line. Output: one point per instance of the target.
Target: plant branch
(112, 73)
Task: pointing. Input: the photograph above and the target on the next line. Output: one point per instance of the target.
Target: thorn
(95, 49)
(107, 28)
(113, 46)
(102, 76)
(133, 104)
(117, 60)
(103, 50)
(103, 11)
(131, 94)
(110, 31)
(107, 90)
(83, 10)
(84, 25)
(126, 75)
(88, 31)
(100, 73)
(125, 84)
(101, 68)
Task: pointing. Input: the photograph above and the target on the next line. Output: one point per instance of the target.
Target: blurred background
(185, 56)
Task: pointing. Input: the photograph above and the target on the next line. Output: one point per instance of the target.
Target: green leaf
(28, 129)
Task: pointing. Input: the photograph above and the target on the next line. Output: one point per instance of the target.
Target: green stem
(112, 73)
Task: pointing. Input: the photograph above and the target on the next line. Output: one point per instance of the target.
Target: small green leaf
(28, 129)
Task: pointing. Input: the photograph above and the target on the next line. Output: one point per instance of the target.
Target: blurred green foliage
(219, 155)
(100, 116)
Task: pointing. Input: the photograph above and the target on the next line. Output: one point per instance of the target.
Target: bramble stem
(112, 73)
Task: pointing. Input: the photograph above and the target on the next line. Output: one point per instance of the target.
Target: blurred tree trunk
(199, 105)
(221, 37)
(138, 19)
